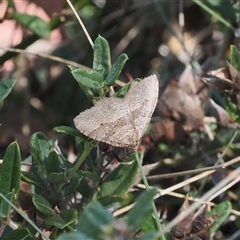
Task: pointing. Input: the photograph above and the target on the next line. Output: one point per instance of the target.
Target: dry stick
(194, 171)
(169, 191)
(81, 23)
(205, 197)
(173, 194)
(54, 58)
(179, 185)
(179, 195)
(235, 181)
(44, 55)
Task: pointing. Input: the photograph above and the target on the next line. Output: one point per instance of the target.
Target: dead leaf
(177, 104)
(166, 130)
(184, 227)
(221, 115)
(224, 79)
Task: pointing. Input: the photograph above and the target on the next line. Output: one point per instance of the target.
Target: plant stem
(155, 213)
(214, 14)
(81, 159)
(25, 217)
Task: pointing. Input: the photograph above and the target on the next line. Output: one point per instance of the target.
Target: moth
(121, 122)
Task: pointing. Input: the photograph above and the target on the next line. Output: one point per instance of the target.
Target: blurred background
(177, 40)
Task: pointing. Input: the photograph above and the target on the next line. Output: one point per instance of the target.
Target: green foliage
(222, 210)
(119, 180)
(20, 234)
(5, 207)
(10, 172)
(62, 220)
(103, 75)
(232, 108)
(5, 88)
(70, 197)
(138, 214)
(102, 57)
(96, 222)
(235, 57)
(33, 23)
(219, 6)
(116, 69)
(42, 204)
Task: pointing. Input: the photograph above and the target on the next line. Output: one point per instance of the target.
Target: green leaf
(119, 180)
(65, 218)
(6, 87)
(74, 236)
(214, 14)
(56, 177)
(5, 208)
(123, 91)
(32, 179)
(149, 224)
(88, 79)
(73, 185)
(95, 221)
(108, 200)
(53, 162)
(116, 69)
(149, 236)
(42, 205)
(223, 211)
(10, 174)
(84, 188)
(102, 58)
(40, 148)
(34, 24)
(235, 57)
(18, 234)
(141, 209)
(70, 131)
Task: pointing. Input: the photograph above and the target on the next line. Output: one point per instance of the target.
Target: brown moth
(121, 122)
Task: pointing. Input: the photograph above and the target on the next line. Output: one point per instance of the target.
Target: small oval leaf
(116, 69)
(65, 218)
(88, 79)
(53, 162)
(42, 205)
(10, 174)
(40, 147)
(19, 234)
(5, 207)
(6, 87)
(141, 209)
(95, 221)
(102, 58)
(119, 180)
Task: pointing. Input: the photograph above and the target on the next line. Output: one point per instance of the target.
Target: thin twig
(205, 197)
(194, 171)
(54, 58)
(44, 55)
(81, 23)
(155, 213)
(173, 194)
